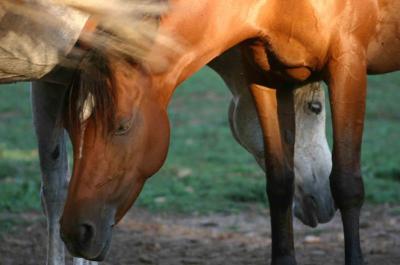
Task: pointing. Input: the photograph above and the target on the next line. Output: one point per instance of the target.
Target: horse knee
(54, 194)
(280, 187)
(347, 190)
(54, 167)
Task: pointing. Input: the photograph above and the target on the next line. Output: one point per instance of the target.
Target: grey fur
(47, 100)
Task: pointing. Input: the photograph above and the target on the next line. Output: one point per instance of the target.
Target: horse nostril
(312, 202)
(86, 233)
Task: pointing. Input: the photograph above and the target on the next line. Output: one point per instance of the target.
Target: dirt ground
(145, 238)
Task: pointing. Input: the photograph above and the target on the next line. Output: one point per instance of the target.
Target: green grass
(19, 173)
(206, 170)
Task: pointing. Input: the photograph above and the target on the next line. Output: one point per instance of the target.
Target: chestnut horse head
(120, 137)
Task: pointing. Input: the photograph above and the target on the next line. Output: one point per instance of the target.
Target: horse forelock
(91, 94)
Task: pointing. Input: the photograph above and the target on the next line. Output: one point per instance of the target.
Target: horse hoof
(286, 260)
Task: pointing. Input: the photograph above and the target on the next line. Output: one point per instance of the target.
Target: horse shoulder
(384, 47)
(354, 27)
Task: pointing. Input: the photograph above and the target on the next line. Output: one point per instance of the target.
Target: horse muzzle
(86, 237)
(312, 211)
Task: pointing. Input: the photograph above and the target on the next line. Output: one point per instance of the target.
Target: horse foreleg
(47, 100)
(277, 117)
(347, 87)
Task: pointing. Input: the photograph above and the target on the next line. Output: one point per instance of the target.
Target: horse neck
(205, 29)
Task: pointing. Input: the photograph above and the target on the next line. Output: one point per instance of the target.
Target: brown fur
(295, 42)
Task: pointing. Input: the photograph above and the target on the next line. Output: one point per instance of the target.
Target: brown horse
(284, 44)
(313, 203)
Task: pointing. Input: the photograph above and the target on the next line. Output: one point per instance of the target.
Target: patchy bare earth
(145, 238)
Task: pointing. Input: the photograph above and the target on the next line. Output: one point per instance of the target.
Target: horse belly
(384, 48)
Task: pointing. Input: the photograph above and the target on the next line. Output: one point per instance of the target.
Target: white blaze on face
(87, 111)
(88, 106)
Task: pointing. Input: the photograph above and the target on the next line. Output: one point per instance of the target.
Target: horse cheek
(157, 143)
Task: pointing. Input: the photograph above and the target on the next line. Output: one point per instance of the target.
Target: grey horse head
(313, 202)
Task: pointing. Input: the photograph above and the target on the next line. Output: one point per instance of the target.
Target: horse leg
(47, 100)
(276, 113)
(347, 87)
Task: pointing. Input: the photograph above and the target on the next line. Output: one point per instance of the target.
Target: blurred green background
(206, 169)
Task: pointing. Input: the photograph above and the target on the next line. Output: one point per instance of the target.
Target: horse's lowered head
(313, 201)
(120, 136)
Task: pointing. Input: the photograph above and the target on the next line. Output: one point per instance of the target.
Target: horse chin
(86, 236)
(91, 254)
(103, 253)
(307, 216)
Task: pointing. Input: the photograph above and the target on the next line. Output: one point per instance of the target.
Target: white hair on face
(87, 111)
(88, 107)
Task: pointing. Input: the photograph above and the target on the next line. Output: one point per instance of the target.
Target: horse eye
(123, 127)
(315, 107)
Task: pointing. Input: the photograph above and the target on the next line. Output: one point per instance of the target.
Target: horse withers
(285, 45)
